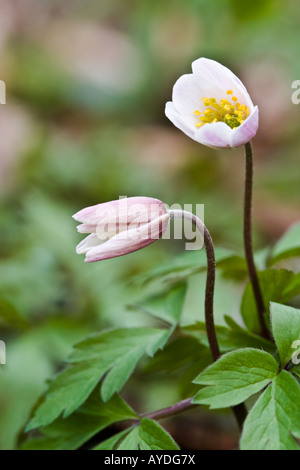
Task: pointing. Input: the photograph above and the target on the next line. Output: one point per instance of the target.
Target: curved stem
(248, 239)
(240, 410)
(210, 279)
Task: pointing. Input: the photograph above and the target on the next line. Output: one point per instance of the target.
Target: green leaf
(166, 306)
(187, 264)
(286, 330)
(67, 392)
(91, 418)
(235, 377)
(114, 353)
(288, 246)
(119, 352)
(277, 285)
(113, 442)
(274, 420)
(178, 354)
(149, 435)
(232, 338)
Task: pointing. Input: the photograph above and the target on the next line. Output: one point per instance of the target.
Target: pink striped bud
(120, 227)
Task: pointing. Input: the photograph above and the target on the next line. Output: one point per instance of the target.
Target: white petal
(223, 78)
(188, 92)
(185, 124)
(87, 244)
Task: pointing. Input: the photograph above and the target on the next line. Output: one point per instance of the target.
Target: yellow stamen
(233, 114)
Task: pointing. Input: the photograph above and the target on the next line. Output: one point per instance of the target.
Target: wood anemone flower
(120, 227)
(212, 106)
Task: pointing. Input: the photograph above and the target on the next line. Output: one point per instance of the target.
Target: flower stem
(248, 240)
(210, 279)
(240, 410)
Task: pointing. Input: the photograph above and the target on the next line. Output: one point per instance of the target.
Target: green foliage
(167, 306)
(148, 435)
(114, 353)
(288, 246)
(230, 338)
(274, 421)
(190, 263)
(235, 377)
(72, 432)
(286, 330)
(277, 286)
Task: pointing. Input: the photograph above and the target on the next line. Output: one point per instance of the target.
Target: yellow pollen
(231, 113)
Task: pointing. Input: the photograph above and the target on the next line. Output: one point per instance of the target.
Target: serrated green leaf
(178, 354)
(232, 338)
(113, 442)
(235, 377)
(113, 352)
(72, 432)
(288, 246)
(120, 350)
(67, 392)
(274, 420)
(277, 285)
(167, 305)
(286, 330)
(149, 435)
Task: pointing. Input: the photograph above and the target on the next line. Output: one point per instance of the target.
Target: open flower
(120, 227)
(212, 106)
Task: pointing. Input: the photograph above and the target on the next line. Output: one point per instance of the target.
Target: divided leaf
(286, 330)
(91, 418)
(274, 420)
(114, 353)
(277, 285)
(235, 377)
(149, 435)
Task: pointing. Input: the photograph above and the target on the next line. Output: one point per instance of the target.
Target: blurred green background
(84, 123)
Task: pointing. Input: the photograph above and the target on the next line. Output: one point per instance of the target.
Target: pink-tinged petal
(90, 215)
(86, 228)
(215, 135)
(121, 212)
(246, 131)
(183, 123)
(129, 241)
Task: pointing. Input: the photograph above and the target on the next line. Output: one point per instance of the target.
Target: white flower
(212, 106)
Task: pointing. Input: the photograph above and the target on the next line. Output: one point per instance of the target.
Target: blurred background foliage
(84, 123)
